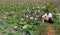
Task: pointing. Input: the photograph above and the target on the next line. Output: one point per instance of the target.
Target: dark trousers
(49, 20)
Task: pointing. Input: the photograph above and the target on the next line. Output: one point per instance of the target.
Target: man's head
(47, 11)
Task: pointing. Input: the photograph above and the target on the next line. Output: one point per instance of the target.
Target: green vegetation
(27, 17)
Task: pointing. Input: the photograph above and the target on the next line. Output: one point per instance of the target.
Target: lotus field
(25, 19)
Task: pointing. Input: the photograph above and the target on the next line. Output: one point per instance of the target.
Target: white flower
(27, 16)
(7, 6)
(31, 17)
(55, 8)
(2, 9)
(38, 10)
(22, 19)
(27, 9)
(25, 26)
(33, 8)
(15, 27)
(35, 12)
(23, 10)
(35, 18)
(43, 7)
(38, 7)
(5, 17)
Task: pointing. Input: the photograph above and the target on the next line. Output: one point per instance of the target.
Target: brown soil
(50, 30)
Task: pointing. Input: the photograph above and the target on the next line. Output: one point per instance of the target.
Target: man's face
(47, 12)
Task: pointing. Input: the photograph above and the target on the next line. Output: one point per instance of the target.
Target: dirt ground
(50, 30)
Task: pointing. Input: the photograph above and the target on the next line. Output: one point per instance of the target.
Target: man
(47, 17)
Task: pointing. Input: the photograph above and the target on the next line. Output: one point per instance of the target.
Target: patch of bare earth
(50, 30)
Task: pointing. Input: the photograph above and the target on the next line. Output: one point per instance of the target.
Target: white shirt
(49, 15)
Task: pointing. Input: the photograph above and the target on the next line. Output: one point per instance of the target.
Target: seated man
(47, 17)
